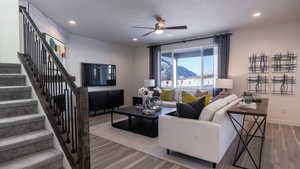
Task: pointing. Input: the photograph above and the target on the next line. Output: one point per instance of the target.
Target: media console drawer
(105, 99)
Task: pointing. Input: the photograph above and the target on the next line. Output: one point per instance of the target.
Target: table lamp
(149, 83)
(224, 84)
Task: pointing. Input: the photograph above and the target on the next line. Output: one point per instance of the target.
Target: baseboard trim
(284, 122)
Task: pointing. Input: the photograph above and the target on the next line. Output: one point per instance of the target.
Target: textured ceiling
(112, 20)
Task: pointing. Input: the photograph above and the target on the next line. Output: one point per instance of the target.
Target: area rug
(147, 145)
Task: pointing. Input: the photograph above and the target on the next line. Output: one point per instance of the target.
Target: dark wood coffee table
(246, 133)
(138, 122)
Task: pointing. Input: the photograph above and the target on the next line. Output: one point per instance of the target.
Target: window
(189, 68)
(166, 73)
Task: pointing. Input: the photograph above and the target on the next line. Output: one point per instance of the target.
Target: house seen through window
(194, 68)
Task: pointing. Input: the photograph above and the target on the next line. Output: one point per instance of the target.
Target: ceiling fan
(159, 27)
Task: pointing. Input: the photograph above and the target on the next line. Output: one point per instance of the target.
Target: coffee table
(138, 122)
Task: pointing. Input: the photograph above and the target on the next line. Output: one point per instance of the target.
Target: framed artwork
(58, 47)
(281, 80)
(283, 84)
(258, 84)
(284, 63)
(258, 63)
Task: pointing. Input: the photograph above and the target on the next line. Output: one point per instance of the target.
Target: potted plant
(248, 97)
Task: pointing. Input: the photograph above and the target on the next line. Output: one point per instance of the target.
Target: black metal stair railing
(65, 104)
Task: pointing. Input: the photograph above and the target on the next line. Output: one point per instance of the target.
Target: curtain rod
(190, 40)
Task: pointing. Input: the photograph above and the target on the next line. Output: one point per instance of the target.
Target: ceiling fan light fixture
(159, 31)
(72, 22)
(159, 27)
(256, 14)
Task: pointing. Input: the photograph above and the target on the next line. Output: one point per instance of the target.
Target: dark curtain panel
(223, 42)
(154, 55)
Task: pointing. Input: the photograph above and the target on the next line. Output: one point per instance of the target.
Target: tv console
(105, 100)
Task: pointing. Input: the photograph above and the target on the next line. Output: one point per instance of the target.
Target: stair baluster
(66, 105)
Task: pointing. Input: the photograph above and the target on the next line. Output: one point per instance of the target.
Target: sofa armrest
(228, 134)
(193, 137)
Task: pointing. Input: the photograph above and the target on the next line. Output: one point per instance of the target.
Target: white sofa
(207, 140)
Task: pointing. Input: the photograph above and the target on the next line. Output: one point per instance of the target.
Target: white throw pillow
(208, 111)
(230, 98)
(220, 115)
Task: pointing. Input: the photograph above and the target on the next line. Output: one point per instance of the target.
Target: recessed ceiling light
(72, 22)
(257, 14)
(135, 39)
(159, 31)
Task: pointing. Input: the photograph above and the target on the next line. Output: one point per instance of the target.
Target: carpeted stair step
(21, 124)
(17, 108)
(25, 144)
(10, 68)
(48, 159)
(12, 80)
(15, 93)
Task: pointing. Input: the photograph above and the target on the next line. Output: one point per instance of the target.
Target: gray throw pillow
(191, 110)
(186, 111)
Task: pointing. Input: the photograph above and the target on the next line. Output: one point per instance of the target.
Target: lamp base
(225, 92)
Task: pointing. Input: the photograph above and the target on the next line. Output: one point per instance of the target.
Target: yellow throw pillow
(188, 98)
(208, 98)
(167, 95)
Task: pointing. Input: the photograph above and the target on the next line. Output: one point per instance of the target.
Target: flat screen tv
(98, 74)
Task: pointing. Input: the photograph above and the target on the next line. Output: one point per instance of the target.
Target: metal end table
(246, 133)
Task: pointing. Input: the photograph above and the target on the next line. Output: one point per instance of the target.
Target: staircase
(24, 141)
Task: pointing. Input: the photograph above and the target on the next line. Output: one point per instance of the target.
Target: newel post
(83, 129)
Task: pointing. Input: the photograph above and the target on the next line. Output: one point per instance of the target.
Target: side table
(247, 133)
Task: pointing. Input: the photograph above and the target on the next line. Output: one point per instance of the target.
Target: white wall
(269, 39)
(45, 24)
(9, 31)
(82, 49)
(140, 67)
(266, 38)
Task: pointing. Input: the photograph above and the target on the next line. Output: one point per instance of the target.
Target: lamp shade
(149, 83)
(224, 83)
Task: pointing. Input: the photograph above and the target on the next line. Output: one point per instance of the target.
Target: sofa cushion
(208, 112)
(200, 94)
(208, 98)
(188, 98)
(167, 95)
(230, 98)
(220, 115)
(187, 111)
(171, 104)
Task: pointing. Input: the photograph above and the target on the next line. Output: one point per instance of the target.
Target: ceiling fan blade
(143, 27)
(148, 33)
(176, 27)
